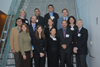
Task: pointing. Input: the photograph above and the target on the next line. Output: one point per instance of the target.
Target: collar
(64, 29)
(33, 24)
(80, 29)
(65, 17)
(71, 26)
(51, 13)
(52, 36)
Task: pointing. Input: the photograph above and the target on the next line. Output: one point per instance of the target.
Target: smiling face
(24, 28)
(71, 20)
(79, 23)
(39, 30)
(50, 8)
(64, 24)
(37, 12)
(53, 31)
(22, 14)
(50, 22)
(65, 13)
(19, 22)
(33, 19)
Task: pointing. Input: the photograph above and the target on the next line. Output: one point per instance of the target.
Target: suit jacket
(59, 21)
(65, 40)
(32, 33)
(81, 42)
(14, 39)
(47, 16)
(39, 46)
(40, 21)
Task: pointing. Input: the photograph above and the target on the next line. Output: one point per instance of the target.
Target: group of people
(49, 36)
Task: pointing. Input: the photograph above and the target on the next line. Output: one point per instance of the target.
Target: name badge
(54, 39)
(79, 34)
(67, 35)
(32, 47)
(37, 20)
(26, 21)
(72, 28)
(52, 17)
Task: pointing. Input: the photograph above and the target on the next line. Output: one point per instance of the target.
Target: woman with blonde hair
(22, 14)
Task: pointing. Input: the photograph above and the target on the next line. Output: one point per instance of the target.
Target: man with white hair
(80, 44)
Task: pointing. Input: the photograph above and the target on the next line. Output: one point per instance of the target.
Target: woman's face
(24, 28)
(22, 14)
(50, 22)
(39, 30)
(71, 21)
(53, 31)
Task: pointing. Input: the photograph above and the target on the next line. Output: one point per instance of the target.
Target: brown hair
(64, 9)
(52, 21)
(27, 30)
(37, 34)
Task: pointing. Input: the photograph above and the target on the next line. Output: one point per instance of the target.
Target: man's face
(79, 24)
(19, 22)
(37, 12)
(65, 13)
(64, 24)
(33, 19)
(50, 9)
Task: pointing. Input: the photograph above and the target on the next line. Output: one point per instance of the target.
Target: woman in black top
(22, 16)
(73, 28)
(39, 47)
(47, 29)
(53, 49)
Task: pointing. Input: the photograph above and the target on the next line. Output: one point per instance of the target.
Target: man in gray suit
(65, 17)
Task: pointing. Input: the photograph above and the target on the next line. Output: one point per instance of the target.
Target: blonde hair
(21, 11)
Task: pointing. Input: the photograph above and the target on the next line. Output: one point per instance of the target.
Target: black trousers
(17, 59)
(81, 60)
(39, 61)
(65, 58)
(27, 62)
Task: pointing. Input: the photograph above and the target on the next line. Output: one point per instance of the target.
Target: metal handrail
(7, 47)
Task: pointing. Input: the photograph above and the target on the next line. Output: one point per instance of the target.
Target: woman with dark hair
(25, 49)
(49, 26)
(53, 49)
(73, 28)
(39, 47)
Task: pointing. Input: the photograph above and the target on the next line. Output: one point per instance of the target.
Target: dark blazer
(66, 40)
(32, 33)
(52, 46)
(39, 46)
(40, 21)
(81, 42)
(73, 31)
(47, 16)
(24, 21)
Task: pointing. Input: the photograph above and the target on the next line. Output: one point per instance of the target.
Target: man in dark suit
(80, 44)
(40, 19)
(54, 16)
(32, 27)
(65, 36)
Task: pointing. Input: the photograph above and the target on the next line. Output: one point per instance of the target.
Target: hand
(31, 55)
(41, 54)
(24, 57)
(72, 42)
(75, 50)
(13, 51)
(64, 46)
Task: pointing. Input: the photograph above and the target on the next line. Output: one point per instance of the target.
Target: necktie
(33, 27)
(51, 16)
(65, 18)
(64, 32)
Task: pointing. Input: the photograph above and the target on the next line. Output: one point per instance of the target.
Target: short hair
(64, 9)
(18, 19)
(50, 5)
(73, 18)
(21, 11)
(52, 28)
(36, 9)
(79, 19)
(64, 20)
